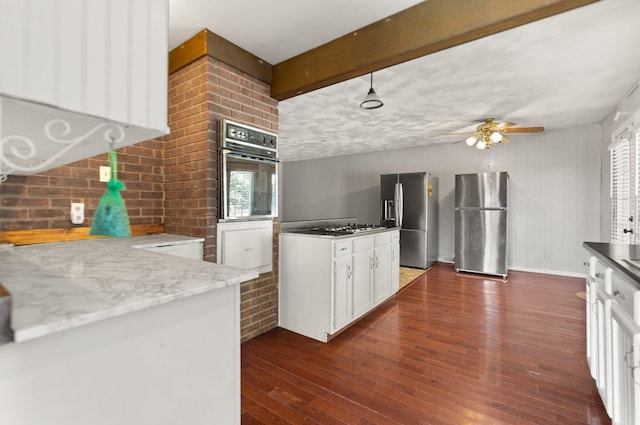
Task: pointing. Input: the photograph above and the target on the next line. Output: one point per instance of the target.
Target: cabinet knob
(619, 294)
(600, 275)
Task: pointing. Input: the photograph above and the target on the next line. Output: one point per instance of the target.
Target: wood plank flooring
(448, 349)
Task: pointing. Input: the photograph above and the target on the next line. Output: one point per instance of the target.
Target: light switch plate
(105, 174)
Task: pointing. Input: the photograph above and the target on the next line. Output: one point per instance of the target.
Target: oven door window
(250, 187)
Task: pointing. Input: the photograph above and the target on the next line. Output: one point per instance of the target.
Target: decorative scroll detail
(24, 150)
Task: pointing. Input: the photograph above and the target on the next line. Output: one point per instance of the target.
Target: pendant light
(371, 101)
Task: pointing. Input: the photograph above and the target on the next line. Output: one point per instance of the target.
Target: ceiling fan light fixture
(481, 145)
(496, 137)
(371, 100)
(471, 140)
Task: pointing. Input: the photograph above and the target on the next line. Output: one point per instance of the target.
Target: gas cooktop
(348, 229)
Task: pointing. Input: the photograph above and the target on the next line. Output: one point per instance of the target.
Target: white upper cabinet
(76, 75)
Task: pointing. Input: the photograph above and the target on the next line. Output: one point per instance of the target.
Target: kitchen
(143, 174)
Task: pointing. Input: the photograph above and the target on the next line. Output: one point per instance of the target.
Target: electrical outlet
(105, 174)
(77, 212)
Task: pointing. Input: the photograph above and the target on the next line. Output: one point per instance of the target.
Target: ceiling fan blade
(523, 130)
(503, 125)
(466, 132)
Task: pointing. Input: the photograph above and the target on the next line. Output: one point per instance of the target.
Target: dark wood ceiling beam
(206, 42)
(425, 28)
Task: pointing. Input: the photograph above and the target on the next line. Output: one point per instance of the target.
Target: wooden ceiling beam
(425, 28)
(206, 42)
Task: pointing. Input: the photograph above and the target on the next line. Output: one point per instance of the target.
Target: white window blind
(620, 190)
(635, 175)
(625, 183)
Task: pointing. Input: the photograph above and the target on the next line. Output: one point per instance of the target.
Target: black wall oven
(249, 172)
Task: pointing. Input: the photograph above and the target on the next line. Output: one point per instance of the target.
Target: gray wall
(555, 185)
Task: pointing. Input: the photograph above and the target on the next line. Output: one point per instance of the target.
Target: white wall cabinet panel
(88, 63)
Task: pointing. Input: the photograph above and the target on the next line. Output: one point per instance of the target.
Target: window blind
(620, 190)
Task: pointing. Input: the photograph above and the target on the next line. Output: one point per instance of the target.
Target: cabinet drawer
(193, 251)
(382, 239)
(362, 244)
(342, 248)
(600, 273)
(624, 294)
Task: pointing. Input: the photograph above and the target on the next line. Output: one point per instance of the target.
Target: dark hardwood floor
(448, 349)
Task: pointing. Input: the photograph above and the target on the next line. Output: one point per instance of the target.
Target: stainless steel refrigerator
(481, 223)
(410, 201)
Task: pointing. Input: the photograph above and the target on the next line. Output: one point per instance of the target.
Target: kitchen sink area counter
(135, 332)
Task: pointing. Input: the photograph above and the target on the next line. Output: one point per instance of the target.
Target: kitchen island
(107, 332)
(331, 278)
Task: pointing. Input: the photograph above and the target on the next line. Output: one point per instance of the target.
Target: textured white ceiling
(278, 29)
(565, 71)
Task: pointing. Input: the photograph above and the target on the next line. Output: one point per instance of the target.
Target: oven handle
(248, 156)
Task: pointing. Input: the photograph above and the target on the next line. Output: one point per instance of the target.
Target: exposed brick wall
(259, 299)
(200, 96)
(172, 181)
(43, 201)
(191, 176)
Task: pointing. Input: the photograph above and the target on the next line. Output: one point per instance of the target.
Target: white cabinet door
(625, 362)
(341, 292)
(603, 344)
(382, 273)
(362, 272)
(592, 327)
(395, 262)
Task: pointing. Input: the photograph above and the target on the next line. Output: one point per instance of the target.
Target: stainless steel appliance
(481, 223)
(248, 173)
(410, 201)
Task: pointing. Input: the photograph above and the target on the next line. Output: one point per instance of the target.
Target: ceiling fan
(491, 132)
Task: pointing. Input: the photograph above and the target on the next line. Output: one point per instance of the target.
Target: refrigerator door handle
(399, 198)
(386, 210)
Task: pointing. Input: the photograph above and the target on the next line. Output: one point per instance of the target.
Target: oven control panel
(234, 132)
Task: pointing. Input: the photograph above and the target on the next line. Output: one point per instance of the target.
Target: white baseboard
(529, 270)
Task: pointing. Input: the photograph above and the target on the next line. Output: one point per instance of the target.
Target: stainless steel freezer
(409, 201)
(481, 223)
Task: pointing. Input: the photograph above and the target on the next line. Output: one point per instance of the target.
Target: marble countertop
(58, 286)
(620, 257)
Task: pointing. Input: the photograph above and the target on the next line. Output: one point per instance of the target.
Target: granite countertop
(619, 257)
(58, 286)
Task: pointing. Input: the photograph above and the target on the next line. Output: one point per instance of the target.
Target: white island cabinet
(326, 283)
(109, 332)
